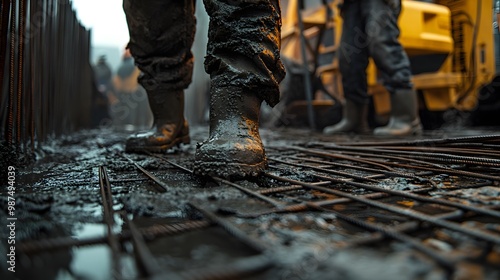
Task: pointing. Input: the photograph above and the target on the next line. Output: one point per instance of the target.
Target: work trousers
(243, 46)
(370, 29)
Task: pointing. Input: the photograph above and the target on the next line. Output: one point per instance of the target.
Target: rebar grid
(298, 179)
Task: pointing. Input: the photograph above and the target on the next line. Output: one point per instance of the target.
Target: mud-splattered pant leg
(161, 36)
(370, 29)
(244, 46)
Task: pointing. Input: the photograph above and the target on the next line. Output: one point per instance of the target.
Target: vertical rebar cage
(45, 74)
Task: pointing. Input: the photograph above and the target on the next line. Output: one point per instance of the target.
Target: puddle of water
(90, 230)
(95, 262)
(92, 262)
(197, 249)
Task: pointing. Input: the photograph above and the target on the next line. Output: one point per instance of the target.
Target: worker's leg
(161, 36)
(243, 60)
(382, 33)
(353, 60)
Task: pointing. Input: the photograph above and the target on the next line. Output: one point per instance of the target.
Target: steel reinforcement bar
(45, 74)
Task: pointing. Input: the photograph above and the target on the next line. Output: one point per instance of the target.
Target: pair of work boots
(234, 148)
(404, 118)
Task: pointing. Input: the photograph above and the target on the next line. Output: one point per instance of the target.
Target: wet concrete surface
(59, 198)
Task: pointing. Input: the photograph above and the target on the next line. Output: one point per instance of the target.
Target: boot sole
(228, 170)
(414, 132)
(159, 149)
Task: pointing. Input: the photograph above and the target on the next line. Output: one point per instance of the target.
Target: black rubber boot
(354, 119)
(170, 129)
(234, 148)
(404, 115)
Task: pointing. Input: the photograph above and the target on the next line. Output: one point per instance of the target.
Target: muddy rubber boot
(234, 148)
(170, 129)
(354, 119)
(404, 115)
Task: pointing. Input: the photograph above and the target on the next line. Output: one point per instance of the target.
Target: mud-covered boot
(354, 119)
(234, 148)
(404, 118)
(169, 130)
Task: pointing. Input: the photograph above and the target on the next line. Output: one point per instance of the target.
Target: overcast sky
(106, 19)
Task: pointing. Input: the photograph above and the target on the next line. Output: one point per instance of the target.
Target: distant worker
(243, 61)
(130, 110)
(102, 92)
(103, 74)
(370, 29)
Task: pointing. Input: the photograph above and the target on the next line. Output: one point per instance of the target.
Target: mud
(59, 196)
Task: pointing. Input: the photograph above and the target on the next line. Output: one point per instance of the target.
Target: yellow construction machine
(451, 47)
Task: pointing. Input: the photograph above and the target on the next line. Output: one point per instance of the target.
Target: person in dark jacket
(101, 92)
(243, 61)
(103, 74)
(370, 29)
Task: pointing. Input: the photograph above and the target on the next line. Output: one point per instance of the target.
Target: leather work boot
(354, 119)
(234, 148)
(404, 118)
(170, 129)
